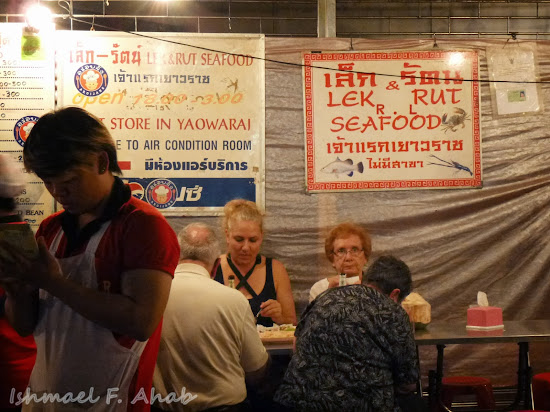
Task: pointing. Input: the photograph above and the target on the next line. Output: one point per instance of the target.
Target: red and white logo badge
(91, 80)
(161, 193)
(23, 128)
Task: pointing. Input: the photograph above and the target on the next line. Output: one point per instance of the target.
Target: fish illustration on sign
(339, 167)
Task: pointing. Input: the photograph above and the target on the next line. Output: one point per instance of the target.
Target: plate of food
(276, 333)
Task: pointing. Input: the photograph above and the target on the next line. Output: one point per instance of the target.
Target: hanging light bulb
(35, 32)
(38, 17)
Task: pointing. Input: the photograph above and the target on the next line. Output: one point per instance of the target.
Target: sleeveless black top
(268, 292)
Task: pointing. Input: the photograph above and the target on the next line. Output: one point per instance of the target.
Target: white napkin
(482, 299)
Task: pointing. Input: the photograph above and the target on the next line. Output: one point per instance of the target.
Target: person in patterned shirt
(355, 349)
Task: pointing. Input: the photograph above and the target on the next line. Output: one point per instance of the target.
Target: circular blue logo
(23, 128)
(161, 193)
(91, 80)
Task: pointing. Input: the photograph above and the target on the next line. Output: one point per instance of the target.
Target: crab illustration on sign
(452, 122)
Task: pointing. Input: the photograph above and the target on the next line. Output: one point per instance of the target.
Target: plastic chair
(541, 391)
(481, 388)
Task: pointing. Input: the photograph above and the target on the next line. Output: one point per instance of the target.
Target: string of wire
(300, 65)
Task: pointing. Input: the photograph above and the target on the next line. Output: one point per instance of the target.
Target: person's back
(355, 350)
(209, 343)
(348, 344)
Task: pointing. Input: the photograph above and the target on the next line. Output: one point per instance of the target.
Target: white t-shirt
(322, 285)
(209, 340)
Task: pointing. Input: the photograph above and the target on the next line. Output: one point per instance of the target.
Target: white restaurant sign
(392, 120)
(187, 112)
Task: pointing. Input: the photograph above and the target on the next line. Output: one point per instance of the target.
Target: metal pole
(326, 18)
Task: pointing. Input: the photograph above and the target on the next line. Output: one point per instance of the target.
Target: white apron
(77, 360)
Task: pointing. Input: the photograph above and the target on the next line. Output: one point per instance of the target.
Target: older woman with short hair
(348, 247)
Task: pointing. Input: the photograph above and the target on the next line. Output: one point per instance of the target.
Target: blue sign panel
(164, 193)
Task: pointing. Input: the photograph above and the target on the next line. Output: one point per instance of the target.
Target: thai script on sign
(124, 77)
(387, 163)
(190, 194)
(205, 164)
(397, 146)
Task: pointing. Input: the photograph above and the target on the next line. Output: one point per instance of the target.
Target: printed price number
(180, 98)
(213, 99)
(9, 62)
(164, 99)
(9, 73)
(10, 93)
(13, 83)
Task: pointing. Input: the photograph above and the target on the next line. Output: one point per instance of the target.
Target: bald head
(198, 244)
(198, 234)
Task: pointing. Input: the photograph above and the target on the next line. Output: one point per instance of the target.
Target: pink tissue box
(484, 318)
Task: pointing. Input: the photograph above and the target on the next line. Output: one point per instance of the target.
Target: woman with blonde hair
(263, 281)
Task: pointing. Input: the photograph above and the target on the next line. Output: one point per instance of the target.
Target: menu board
(186, 112)
(26, 92)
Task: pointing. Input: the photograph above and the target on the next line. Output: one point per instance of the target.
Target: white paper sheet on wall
(509, 66)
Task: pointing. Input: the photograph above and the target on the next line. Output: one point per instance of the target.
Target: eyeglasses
(343, 252)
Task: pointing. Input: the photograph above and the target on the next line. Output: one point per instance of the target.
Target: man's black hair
(388, 273)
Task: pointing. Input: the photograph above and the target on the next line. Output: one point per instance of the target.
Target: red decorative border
(395, 184)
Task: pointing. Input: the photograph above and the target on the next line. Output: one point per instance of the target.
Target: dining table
(440, 334)
(521, 332)
(279, 346)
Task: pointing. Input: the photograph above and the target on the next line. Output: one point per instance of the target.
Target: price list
(27, 91)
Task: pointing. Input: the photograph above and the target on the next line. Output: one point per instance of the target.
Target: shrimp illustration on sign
(452, 122)
(339, 167)
(451, 163)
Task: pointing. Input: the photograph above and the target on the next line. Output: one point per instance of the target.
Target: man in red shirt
(94, 298)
